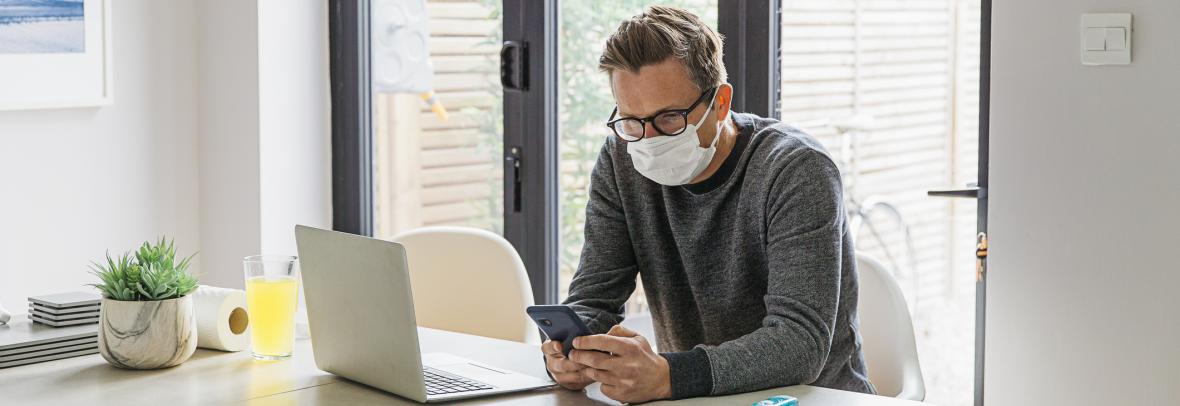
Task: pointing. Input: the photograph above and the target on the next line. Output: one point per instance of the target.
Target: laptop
(361, 314)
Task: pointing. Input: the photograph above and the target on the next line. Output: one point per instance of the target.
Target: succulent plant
(151, 273)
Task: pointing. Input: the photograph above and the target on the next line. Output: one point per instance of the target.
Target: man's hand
(567, 373)
(630, 371)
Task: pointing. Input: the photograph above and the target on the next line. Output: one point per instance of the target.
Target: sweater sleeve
(606, 272)
(690, 373)
(805, 224)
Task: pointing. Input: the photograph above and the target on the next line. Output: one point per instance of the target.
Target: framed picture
(55, 54)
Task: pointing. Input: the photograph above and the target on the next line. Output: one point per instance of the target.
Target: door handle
(514, 66)
(980, 257)
(512, 185)
(971, 191)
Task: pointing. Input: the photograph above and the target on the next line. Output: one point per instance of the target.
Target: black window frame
(352, 124)
(981, 199)
(752, 55)
(531, 143)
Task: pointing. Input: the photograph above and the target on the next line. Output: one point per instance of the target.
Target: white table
(213, 377)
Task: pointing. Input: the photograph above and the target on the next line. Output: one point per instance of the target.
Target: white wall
(265, 129)
(295, 124)
(218, 137)
(76, 182)
(1084, 210)
(229, 149)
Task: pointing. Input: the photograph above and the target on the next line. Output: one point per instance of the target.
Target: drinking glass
(272, 285)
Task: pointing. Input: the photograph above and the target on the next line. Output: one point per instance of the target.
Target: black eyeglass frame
(651, 119)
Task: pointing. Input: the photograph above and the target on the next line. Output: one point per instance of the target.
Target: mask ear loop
(717, 133)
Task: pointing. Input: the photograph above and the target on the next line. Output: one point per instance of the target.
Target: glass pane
(436, 161)
(891, 88)
(586, 103)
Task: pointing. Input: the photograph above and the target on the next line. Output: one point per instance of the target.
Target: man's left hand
(629, 370)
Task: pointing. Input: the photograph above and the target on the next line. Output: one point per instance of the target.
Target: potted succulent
(147, 319)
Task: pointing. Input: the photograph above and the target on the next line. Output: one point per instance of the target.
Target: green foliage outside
(151, 273)
(585, 102)
(491, 125)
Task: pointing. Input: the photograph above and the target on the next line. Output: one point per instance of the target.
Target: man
(733, 222)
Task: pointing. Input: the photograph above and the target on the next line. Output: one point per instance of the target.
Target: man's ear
(724, 98)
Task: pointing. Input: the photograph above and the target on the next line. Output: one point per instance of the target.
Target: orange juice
(271, 303)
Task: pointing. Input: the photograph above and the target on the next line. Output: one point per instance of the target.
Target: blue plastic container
(780, 400)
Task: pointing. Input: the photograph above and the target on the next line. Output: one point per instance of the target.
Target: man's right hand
(565, 372)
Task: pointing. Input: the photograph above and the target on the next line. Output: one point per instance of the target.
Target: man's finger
(572, 380)
(593, 359)
(552, 349)
(603, 342)
(619, 331)
(568, 377)
(563, 365)
(605, 377)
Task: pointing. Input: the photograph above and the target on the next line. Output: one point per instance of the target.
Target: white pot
(147, 335)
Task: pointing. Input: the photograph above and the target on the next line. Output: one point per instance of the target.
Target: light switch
(1106, 39)
(1095, 39)
(1116, 39)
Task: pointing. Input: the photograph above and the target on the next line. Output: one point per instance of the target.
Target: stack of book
(65, 309)
(24, 342)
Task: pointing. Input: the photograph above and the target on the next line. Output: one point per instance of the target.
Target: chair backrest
(470, 281)
(887, 333)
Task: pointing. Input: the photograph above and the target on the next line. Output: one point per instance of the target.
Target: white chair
(470, 281)
(887, 333)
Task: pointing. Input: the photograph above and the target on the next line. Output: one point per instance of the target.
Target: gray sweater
(750, 275)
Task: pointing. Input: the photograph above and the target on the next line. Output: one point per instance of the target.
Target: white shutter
(966, 155)
(444, 172)
(905, 63)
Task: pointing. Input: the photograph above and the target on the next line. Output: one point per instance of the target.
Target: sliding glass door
(489, 113)
(437, 116)
(892, 89)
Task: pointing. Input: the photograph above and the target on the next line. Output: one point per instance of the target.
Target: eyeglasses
(667, 122)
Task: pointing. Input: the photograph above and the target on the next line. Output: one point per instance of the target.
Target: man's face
(667, 86)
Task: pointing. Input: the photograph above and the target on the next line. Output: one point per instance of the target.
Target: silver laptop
(361, 315)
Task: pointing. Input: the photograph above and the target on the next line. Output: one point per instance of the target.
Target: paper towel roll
(222, 320)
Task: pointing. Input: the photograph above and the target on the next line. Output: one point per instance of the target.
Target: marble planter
(147, 335)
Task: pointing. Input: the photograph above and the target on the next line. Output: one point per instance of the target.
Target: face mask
(674, 160)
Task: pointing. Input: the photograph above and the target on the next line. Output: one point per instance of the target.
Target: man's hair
(662, 32)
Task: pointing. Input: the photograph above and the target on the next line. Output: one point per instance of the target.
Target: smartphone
(560, 323)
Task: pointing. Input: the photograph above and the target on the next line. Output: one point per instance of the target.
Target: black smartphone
(560, 323)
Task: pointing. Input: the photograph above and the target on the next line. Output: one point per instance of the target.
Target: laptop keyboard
(442, 383)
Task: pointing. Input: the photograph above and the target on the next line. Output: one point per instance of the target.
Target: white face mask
(674, 160)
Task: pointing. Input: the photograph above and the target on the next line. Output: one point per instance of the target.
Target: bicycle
(861, 213)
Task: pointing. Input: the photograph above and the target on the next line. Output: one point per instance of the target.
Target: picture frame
(51, 59)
